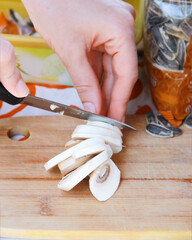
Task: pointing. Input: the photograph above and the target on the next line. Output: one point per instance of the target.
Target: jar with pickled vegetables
(168, 51)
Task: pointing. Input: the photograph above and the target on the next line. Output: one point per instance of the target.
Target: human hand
(9, 74)
(90, 37)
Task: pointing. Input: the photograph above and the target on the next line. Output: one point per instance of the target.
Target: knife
(59, 108)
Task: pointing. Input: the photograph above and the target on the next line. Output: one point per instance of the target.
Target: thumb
(9, 74)
(85, 82)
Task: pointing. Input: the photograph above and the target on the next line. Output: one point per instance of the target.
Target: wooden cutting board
(154, 200)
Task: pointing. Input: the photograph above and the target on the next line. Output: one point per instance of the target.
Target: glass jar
(168, 54)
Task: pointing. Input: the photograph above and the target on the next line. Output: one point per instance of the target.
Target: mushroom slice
(68, 153)
(72, 143)
(105, 180)
(111, 138)
(82, 156)
(96, 130)
(72, 179)
(116, 148)
(71, 163)
(105, 125)
(92, 150)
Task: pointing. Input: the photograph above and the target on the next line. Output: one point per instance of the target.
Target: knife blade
(59, 108)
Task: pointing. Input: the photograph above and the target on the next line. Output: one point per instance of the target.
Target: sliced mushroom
(116, 148)
(96, 130)
(79, 157)
(72, 143)
(105, 125)
(72, 179)
(92, 150)
(111, 137)
(105, 180)
(68, 153)
(89, 151)
(71, 163)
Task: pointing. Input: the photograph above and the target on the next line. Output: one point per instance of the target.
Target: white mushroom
(105, 125)
(89, 153)
(96, 130)
(72, 143)
(71, 163)
(105, 180)
(87, 131)
(116, 148)
(68, 153)
(73, 178)
(92, 150)
(81, 156)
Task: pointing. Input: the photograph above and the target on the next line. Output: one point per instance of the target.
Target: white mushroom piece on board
(105, 180)
(68, 153)
(72, 143)
(89, 153)
(111, 137)
(75, 177)
(81, 156)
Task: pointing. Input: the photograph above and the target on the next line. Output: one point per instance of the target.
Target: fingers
(95, 60)
(124, 63)
(130, 8)
(85, 81)
(9, 74)
(108, 81)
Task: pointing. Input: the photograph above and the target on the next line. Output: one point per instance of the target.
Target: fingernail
(90, 107)
(22, 89)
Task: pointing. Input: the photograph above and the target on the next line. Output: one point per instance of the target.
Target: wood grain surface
(155, 193)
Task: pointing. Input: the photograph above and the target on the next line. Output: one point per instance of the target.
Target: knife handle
(8, 97)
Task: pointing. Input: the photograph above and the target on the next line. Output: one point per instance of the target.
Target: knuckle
(83, 89)
(132, 11)
(87, 92)
(129, 20)
(119, 31)
(124, 23)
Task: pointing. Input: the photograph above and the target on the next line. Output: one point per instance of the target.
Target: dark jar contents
(168, 54)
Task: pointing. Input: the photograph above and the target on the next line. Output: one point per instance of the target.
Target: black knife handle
(8, 97)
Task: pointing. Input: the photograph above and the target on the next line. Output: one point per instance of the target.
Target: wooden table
(154, 200)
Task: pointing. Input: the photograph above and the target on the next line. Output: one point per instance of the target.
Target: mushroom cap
(105, 180)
